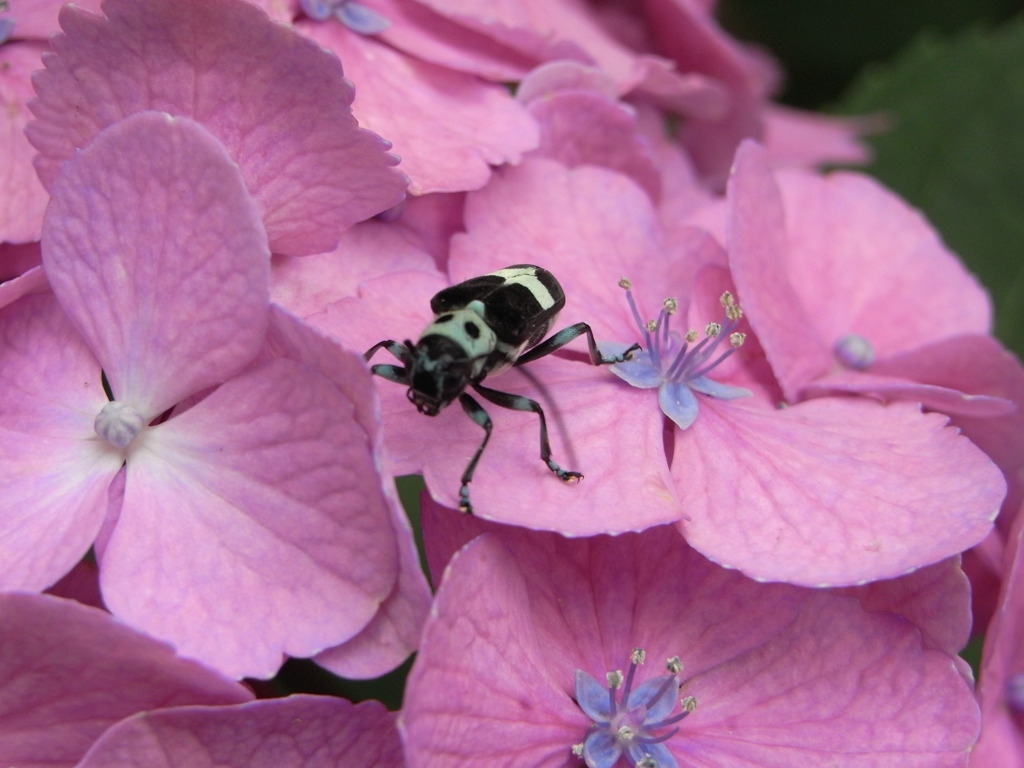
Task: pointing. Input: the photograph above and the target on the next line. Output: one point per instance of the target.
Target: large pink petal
(254, 524)
(156, 251)
(22, 197)
(278, 102)
(53, 485)
(307, 731)
(68, 672)
(448, 127)
(831, 491)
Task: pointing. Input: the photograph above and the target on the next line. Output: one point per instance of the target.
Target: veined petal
(600, 750)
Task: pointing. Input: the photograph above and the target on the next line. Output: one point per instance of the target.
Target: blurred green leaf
(955, 149)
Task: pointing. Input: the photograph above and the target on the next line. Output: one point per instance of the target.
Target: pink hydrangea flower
(280, 105)
(203, 537)
(526, 624)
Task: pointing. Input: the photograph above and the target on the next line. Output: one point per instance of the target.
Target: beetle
(481, 327)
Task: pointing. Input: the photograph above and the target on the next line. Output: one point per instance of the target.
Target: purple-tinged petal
(318, 10)
(591, 696)
(22, 197)
(678, 402)
(53, 489)
(156, 251)
(637, 371)
(706, 386)
(254, 524)
(832, 491)
(413, 103)
(68, 672)
(37, 19)
(279, 103)
(658, 697)
(307, 731)
(600, 749)
(361, 18)
(757, 246)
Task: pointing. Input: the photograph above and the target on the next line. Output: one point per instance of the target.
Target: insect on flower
(482, 327)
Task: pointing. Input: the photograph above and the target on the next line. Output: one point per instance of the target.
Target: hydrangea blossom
(223, 496)
(770, 674)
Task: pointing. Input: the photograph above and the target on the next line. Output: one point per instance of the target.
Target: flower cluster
(224, 228)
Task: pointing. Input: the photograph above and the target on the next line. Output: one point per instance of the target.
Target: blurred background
(948, 75)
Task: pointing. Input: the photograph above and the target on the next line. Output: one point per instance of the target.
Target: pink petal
(305, 285)
(22, 197)
(831, 492)
(795, 137)
(308, 731)
(53, 492)
(264, 493)
(69, 672)
(448, 127)
(758, 258)
(156, 250)
(278, 102)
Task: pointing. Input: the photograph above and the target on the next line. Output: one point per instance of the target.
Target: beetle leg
(522, 403)
(566, 335)
(401, 351)
(479, 416)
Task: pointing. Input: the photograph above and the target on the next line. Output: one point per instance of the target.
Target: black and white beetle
(482, 327)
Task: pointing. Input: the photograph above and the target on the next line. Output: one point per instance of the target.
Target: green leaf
(955, 149)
